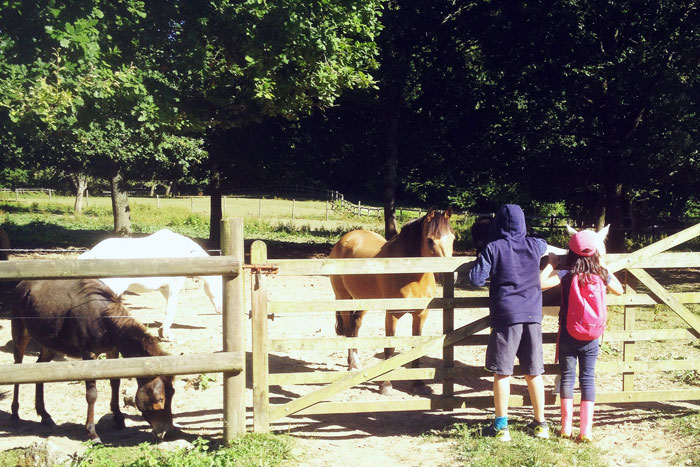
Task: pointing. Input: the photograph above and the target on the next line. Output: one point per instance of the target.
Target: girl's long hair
(585, 266)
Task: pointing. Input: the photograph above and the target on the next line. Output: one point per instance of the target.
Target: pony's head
(601, 236)
(437, 235)
(154, 399)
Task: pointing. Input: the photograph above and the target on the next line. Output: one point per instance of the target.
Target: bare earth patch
(630, 435)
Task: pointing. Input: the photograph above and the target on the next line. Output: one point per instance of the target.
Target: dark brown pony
(83, 318)
(430, 235)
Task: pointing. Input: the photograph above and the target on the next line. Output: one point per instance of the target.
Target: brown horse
(430, 235)
(83, 318)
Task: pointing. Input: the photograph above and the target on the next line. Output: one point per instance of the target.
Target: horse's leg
(20, 337)
(171, 293)
(352, 323)
(347, 323)
(391, 319)
(419, 317)
(91, 397)
(114, 402)
(44, 356)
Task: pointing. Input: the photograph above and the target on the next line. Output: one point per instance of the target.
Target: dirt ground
(630, 435)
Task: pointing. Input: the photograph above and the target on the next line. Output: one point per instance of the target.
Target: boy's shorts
(523, 340)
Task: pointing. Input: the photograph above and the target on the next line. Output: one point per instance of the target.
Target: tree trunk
(120, 207)
(168, 189)
(80, 183)
(216, 212)
(390, 176)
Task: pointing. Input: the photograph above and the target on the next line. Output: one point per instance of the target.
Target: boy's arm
(481, 270)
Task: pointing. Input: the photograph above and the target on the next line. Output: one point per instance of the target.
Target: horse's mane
(409, 238)
(131, 337)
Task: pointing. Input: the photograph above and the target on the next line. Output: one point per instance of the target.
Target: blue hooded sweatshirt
(512, 262)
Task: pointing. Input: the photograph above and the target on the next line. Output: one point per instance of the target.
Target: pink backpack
(587, 313)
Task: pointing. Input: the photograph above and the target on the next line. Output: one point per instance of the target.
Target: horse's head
(601, 236)
(437, 236)
(154, 399)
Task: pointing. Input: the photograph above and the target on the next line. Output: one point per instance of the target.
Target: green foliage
(524, 450)
(248, 450)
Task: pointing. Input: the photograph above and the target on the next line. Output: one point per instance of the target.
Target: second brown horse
(430, 235)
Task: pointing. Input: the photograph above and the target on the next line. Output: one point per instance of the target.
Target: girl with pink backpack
(582, 318)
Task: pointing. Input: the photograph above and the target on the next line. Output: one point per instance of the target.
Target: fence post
(326, 210)
(234, 329)
(359, 208)
(448, 325)
(191, 204)
(294, 203)
(261, 395)
(628, 346)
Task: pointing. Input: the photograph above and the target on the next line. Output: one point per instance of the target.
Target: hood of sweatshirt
(509, 223)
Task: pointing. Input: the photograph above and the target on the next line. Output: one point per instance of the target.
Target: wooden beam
(353, 379)
(16, 270)
(260, 341)
(654, 249)
(330, 266)
(663, 295)
(137, 367)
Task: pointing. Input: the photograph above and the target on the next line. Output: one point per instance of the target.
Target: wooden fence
(635, 264)
(230, 362)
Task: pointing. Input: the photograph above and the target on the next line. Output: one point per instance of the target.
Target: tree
(239, 63)
(79, 86)
(598, 99)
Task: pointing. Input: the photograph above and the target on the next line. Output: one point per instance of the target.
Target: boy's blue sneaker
(491, 432)
(538, 429)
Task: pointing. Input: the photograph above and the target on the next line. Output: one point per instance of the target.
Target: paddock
(304, 357)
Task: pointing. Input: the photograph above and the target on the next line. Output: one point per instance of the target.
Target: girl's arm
(614, 286)
(547, 279)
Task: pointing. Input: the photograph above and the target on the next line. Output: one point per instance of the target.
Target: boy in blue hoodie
(512, 262)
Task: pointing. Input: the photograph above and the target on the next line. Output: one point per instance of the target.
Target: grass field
(42, 222)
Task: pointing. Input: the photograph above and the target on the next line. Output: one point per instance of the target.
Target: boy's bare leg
(535, 387)
(501, 394)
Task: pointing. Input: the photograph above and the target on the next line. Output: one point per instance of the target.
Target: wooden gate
(649, 293)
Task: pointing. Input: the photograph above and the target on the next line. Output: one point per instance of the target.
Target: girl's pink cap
(584, 243)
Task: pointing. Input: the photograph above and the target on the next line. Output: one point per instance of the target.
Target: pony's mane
(131, 335)
(410, 236)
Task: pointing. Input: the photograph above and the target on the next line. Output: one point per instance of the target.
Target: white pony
(162, 244)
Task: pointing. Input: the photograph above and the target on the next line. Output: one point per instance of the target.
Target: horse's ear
(430, 215)
(603, 233)
(570, 230)
(448, 213)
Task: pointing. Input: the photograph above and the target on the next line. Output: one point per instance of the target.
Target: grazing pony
(162, 244)
(83, 318)
(430, 235)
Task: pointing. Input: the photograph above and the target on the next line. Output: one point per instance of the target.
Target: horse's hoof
(119, 423)
(47, 421)
(385, 389)
(94, 439)
(422, 389)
